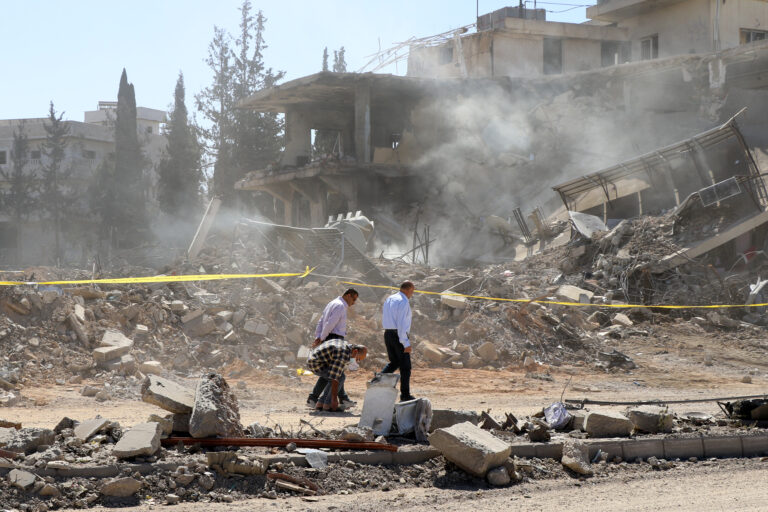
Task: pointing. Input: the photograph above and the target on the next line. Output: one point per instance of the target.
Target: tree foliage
(180, 174)
(325, 139)
(239, 140)
(56, 197)
(19, 199)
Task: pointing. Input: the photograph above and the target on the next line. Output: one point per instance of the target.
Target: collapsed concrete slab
(25, 440)
(607, 424)
(570, 293)
(443, 418)
(141, 440)
(471, 448)
(90, 428)
(215, 412)
(167, 395)
(651, 419)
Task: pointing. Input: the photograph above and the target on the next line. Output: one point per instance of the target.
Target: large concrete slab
(607, 424)
(651, 419)
(443, 418)
(471, 448)
(142, 440)
(167, 394)
(113, 338)
(25, 440)
(90, 428)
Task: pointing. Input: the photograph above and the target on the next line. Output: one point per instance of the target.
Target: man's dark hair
(351, 291)
(407, 285)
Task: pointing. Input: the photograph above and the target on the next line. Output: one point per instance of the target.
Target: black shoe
(407, 398)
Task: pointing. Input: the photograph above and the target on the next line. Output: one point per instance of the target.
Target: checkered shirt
(332, 356)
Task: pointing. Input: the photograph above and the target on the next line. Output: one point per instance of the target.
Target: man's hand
(407, 349)
(316, 342)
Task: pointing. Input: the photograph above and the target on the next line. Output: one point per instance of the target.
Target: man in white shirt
(396, 320)
(333, 325)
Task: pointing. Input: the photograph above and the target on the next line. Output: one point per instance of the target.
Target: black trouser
(322, 381)
(398, 359)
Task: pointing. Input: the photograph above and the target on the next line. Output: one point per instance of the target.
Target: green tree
(339, 64)
(19, 197)
(325, 59)
(55, 198)
(239, 140)
(180, 173)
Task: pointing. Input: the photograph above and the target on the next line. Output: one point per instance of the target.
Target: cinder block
(722, 446)
(754, 445)
(643, 448)
(683, 448)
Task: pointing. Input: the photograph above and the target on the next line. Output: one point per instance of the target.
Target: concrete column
(363, 122)
(284, 193)
(315, 193)
(298, 138)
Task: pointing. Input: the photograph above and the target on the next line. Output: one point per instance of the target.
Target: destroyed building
(89, 143)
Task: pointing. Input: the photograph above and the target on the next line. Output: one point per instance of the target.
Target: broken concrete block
(268, 286)
(177, 306)
(607, 424)
(453, 301)
(103, 354)
(121, 487)
(141, 332)
(124, 364)
(151, 368)
(257, 328)
(192, 315)
(443, 418)
(167, 394)
(141, 440)
(487, 352)
(80, 313)
(166, 423)
(471, 448)
(431, 352)
(114, 338)
(358, 434)
(224, 316)
(25, 440)
(238, 317)
(21, 479)
(651, 419)
(577, 419)
(215, 412)
(200, 326)
(498, 476)
(79, 330)
(622, 319)
(50, 490)
(90, 428)
(576, 457)
(568, 293)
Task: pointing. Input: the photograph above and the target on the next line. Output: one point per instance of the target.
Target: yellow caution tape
(159, 279)
(559, 303)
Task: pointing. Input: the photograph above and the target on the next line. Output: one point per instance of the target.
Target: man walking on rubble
(396, 320)
(332, 325)
(329, 360)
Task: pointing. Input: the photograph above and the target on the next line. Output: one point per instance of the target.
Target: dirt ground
(672, 364)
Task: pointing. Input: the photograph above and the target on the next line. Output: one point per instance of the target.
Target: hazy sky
(72, 52)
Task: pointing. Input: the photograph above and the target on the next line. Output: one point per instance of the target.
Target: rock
(64, 423)
(257, 328)
(103, 354)
(200, 326)
(121, 487)
(607, 424)
(151, 368)
(576, 457)
(215, 412)
(443, 418)
(25, 440)
(599, 317)
(177, 306)
(103, 396)
(238, 317)
(89, 391)
(568, 293)
(142, 439)
(172, 499)
(358, 434)
(197, 314)
(622, 319)
(498, 476)
(21, 479)
(224, 316)
(746, 379)
(431, 352)
(453, 301)
(90, 428)
(50, 490)
(538, 434)
(167, 395)
(114, 338)
(9, 424)
(166, 423)
(268, 286)
(470, 447)
(487, 352)
(125, 364)
(651, 419)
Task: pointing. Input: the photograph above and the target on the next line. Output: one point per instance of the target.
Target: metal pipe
(278, 442)
(587, 401)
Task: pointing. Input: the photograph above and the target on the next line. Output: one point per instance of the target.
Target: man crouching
(329, 359)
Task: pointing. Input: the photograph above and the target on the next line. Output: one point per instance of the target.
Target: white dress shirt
(333, 319)
(396, 314)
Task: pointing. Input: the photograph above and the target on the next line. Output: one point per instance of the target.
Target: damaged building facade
(89, 143)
